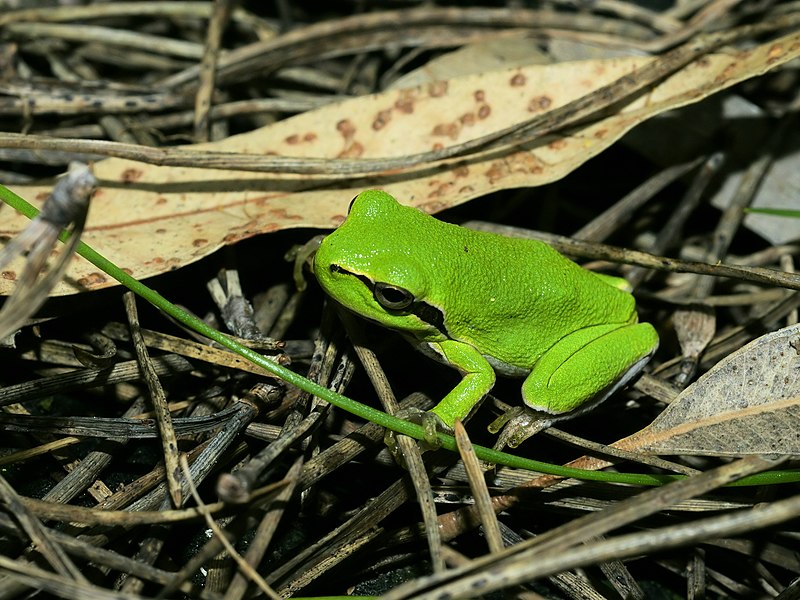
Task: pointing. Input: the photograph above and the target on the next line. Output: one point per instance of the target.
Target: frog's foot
(429, 421)
(518, 424)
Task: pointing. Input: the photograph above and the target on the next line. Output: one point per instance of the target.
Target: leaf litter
(353, 521)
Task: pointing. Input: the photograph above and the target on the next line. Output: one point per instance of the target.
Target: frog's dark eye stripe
(430, 314)
(350, 206)
(393, 299)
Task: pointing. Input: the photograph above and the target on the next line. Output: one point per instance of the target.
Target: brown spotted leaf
(151, 219)
(749, 403)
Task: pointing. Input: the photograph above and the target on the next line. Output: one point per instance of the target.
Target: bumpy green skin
(510, 305)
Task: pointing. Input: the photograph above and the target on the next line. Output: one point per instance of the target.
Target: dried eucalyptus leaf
(747, 404)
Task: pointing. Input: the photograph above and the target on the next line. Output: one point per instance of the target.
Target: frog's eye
(392, 297)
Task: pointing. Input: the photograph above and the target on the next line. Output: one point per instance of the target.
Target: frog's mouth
(425, 312)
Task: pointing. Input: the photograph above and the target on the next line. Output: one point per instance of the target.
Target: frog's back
(524, 296)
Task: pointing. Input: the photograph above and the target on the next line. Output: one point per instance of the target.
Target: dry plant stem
(480, 492)
(348, 448)
(708, 14)
(342, 542)
(247, 568)
(235, 487)
(56, 585)
(555, 550)
(620, 454)
(738, 336)
(264, 534)
(672, 229)
(787, 264)
(102, 11)
(84, 474)
(611, 220)
(121, 372)
(84, 33)
(68, 513)
(696, 575)
(632, 12)
(208, 68)
(182, 346)
(577, 111)
(243, 412)
(38, 535)
(119, 427)
(105, 558)
(169, 442)
(112, 126)
(375, 30)
(580, 249)
(408, 447)
(235, 528)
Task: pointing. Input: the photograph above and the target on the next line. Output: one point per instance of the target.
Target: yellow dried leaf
(151, 219)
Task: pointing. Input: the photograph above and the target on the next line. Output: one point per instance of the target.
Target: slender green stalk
(356, 408)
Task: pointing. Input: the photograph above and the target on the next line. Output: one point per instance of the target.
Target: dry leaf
(749, 403)
(151, 219)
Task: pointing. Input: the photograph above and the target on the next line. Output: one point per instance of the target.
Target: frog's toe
(429, 421)
(518, 424)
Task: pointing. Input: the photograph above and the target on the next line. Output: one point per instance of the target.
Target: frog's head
(374, 266)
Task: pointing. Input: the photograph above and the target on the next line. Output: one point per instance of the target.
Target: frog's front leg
(478, 379)
(588, 365)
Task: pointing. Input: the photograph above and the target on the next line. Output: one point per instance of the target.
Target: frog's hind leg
(587, 366)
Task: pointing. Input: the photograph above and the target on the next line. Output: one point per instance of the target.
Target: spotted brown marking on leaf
(9, 275)
(442, 189)
(346, 128)
(479, 95)
(601, 133)
(405, 103)
(484, 111)
(467, 118)
(461, 171)
(270, 227)
(354, 150)
(450, 130)
(539, 103)
(433, 206)
(727, 73)
(292, 139)
(437, 89)
(161, 230)
(92, 280)
(381, 119)
(518, 80)
(310, 137)
(558, 144)
(775, 52)
(281, 215)
(42, 196)
(525, 162)
(129, 175)
(497, 170)
(437, 146)
(235, 237)
(161, 200)
(466, 190)
(199, 242)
